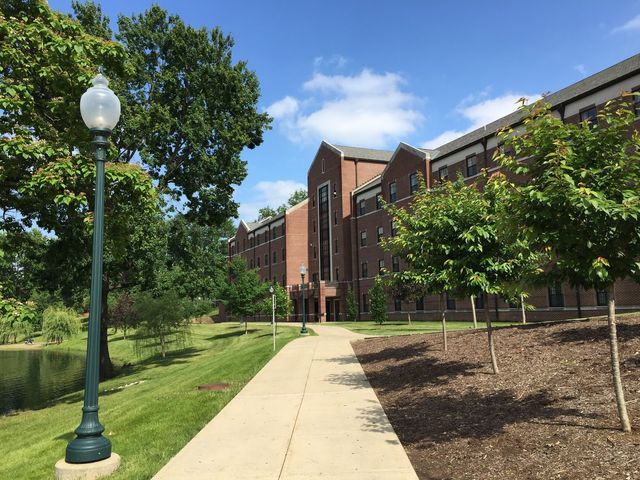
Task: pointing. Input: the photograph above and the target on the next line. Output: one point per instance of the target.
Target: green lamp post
(100, 109)
(303, 330)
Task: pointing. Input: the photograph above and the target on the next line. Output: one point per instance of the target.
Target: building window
(335, 192)
(251, 242)
(393, 192)
(284, 230)
(589, 115)
(275, 257)
(363, 238)
(397, 304)
(335, 245)
(258, 260)
(394, 230)
(283, 255)
(258, 239)
(378, 201)
(251, 264)
(284, 280)
(395, 264)
(337, 275)
(381, 266)
(379, 233)
(556, 298)
(324, 224)
(602, 298)
(420, 304)
(479, 301)
(266, 259)
(365, 303)
(413, 183)
(314, 226)
(451, 303)
(443, 173)
(365, 270)
(315, 252)
(313, 200)
(335, 217)
(362, 207)
(323, 165)
(472, 166)
(273, 234)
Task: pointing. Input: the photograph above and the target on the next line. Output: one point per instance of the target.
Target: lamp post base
(87, 471)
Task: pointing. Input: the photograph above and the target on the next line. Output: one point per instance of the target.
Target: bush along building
(336, 232)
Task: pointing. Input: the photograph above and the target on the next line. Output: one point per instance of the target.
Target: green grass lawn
(151, 410)
(403, 328)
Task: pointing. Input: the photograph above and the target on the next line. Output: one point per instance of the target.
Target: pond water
(31, 378)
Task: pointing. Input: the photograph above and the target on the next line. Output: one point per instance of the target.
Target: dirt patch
(549, 414)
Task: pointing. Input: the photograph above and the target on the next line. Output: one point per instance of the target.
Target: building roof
(365, 153)
(579, 89)
(368, 184)
(255, 225)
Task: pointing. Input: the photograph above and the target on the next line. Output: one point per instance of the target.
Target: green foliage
(451, 241)
(352, 306)
(581, 202)
(22, 262)
(378, 302)
(122, 312)
(162, 324)
(295, 198)
(59, 323)
(284, 305)
(244, 293)
(17, 319)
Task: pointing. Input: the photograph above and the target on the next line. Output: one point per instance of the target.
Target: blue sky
(375, 73)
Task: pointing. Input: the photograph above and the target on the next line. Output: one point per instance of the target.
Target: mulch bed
(549, 414)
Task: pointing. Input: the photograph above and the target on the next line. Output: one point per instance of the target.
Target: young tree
(59, 323)
(123, 313)
(580, 203)
(352, 306)
(451, 242)
(244, 293)
(284, 305)
(378, 302)
(162, 322)
(17, 319)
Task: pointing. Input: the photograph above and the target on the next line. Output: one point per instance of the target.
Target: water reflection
(31, 378)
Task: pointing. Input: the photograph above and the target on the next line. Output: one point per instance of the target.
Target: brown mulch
(549, 414)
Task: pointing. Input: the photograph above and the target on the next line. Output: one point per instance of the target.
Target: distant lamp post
(100, 109)
(303, 330)
(273, 315)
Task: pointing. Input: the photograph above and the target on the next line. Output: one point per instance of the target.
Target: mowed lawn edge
(149, 411)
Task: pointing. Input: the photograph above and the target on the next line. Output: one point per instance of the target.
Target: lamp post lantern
(100, 109)
(303, 330)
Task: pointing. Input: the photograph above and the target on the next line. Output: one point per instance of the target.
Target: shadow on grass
(600, 333)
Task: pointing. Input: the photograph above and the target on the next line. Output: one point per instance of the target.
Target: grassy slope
(403, 328)
(148, 422)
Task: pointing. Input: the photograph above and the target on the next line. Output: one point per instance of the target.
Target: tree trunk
(473, 311)
(106, 366)
(246, 327)
(444, 322)
(615, 363)
(492, 352)
(162, 350)
(409, 317)
(524, 315)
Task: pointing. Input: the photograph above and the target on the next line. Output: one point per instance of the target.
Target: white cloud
(479, 111)
(580, 68)
(337, 61)
(283, 108)
(366, 109)
(631, 25)
(266, 193)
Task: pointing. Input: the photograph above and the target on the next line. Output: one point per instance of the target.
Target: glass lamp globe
(303, 269)
(99, 106)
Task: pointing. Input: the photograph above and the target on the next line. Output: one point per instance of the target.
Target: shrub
(59, 323)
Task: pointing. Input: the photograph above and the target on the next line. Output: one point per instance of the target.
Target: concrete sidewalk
(309, 413)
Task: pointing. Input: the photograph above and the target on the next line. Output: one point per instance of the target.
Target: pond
(31, 378)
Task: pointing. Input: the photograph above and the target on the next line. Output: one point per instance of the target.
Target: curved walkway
(309, 413)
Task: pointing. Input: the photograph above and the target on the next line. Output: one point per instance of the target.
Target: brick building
(336, 232)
